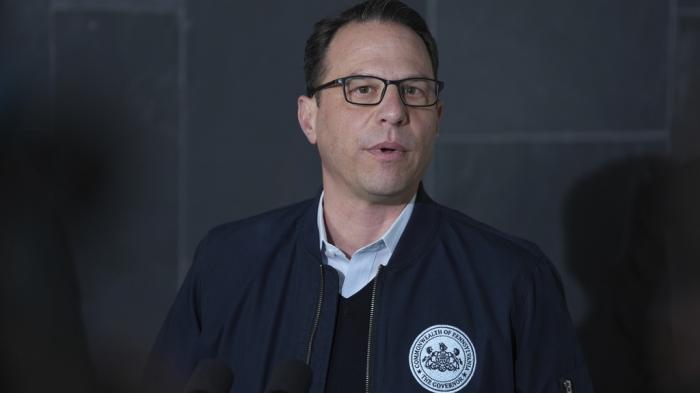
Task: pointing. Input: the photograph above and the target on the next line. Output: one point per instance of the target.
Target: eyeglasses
(369, 90)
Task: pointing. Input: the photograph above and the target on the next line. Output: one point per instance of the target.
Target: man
(373, 285)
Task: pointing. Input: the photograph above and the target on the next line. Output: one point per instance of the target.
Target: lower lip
(387, 155)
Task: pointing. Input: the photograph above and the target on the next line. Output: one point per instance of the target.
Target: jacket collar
(419, 235)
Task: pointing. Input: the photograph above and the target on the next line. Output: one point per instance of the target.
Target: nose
(392, 110)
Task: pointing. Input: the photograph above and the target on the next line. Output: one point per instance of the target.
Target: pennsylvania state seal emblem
(442, 359)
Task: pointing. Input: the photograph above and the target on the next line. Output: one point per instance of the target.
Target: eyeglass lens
(369, 91)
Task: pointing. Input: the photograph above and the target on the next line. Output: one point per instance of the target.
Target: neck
(352, 223)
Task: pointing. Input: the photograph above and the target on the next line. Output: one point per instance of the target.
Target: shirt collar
(390, 237)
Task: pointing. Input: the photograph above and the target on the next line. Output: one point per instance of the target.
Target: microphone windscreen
(210, 376)
(291, 376)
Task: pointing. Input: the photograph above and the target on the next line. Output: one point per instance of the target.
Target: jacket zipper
(317, 318)
(371, 328)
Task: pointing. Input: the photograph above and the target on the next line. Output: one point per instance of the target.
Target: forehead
(384, 49)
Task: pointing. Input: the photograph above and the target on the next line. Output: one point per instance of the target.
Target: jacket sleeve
(176, 351)
(548, 358)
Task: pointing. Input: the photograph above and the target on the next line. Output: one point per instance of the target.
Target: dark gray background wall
(130, 127)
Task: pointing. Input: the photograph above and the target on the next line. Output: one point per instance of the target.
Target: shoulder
(271, 223)
(254, 238)
(487, 243)
(498, 257)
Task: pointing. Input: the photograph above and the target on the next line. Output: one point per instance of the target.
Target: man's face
(374, 153)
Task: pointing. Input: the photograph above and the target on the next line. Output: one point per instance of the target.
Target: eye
(413, 91)
(363, 90)
(410, 90)
(360, 87)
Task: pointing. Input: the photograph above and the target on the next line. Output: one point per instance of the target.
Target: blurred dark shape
(42, 339)
(601, 221)
(210, 376)
(633, 241)
(677, 356)
(290, 376)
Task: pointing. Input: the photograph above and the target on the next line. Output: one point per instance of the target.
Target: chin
(390, 189)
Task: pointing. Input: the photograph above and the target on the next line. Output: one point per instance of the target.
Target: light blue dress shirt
(362, 267)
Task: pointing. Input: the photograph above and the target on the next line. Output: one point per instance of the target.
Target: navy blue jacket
(459, 307)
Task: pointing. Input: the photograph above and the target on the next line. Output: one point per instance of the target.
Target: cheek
(428, 134)
(336, 134)
(426, 152)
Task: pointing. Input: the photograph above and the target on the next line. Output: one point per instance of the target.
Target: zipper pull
(566, 386)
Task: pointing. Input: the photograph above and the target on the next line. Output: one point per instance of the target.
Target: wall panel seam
(555, 137)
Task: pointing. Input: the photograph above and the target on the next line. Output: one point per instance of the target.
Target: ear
(306, 114)
(439, 109)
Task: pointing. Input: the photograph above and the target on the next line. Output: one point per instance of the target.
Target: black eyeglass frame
(439, 85)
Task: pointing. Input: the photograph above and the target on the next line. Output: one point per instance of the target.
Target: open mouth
(388, 147)
(388, 151)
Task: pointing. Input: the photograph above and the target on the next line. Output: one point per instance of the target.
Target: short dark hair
(372, 10)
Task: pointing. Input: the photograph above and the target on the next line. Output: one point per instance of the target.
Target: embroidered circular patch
(442, 359)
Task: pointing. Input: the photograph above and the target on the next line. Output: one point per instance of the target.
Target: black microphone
(210, 376)
(291, 376)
